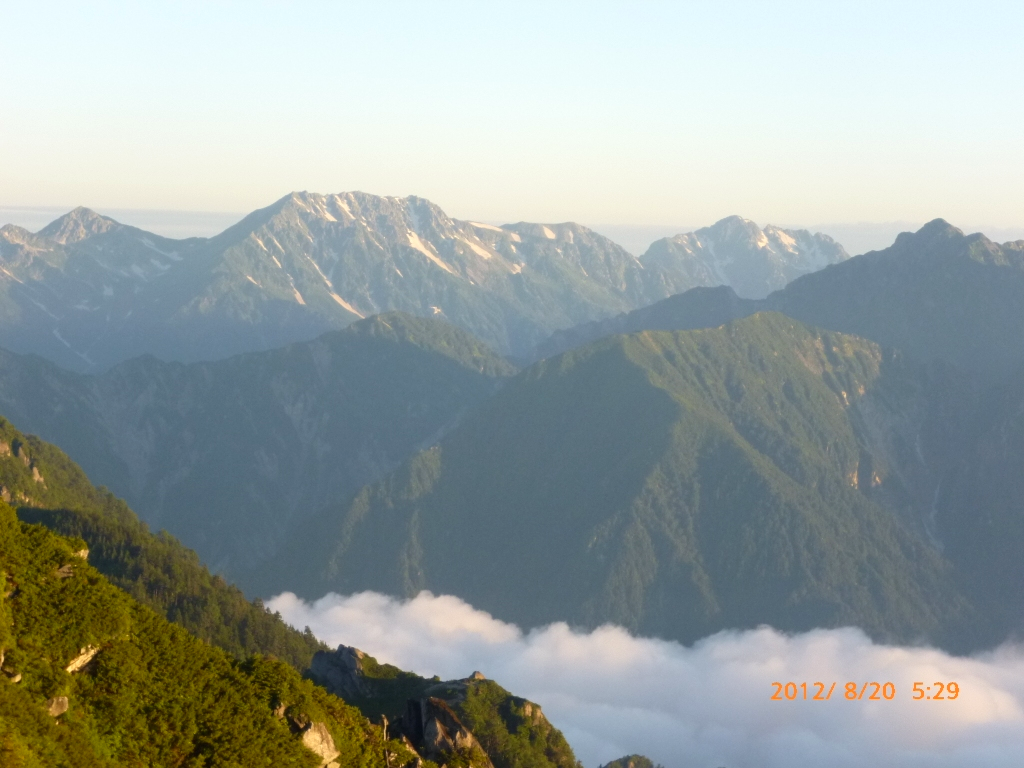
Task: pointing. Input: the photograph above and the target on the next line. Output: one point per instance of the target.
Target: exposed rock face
(738, 253)
(436, 718)
(21, 453)
(436, 731)
(83, 658)
(340, 672)
(57, 706)
(429, 724)
(318, 739)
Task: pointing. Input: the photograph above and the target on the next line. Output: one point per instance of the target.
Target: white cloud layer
(707, 705)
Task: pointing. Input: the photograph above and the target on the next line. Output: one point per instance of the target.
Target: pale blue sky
(619, 113)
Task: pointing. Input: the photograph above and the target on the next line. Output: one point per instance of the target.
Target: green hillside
(93, 678)
(229, 456)
(673, 483)
(155, 569)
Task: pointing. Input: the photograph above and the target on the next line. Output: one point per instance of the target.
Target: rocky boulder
(317, 739)
(57, 706)
(85, 655)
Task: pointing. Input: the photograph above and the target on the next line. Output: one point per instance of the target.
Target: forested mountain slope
(93, 678)
(158, 572)
(673, 483)
(231, 455)
(48, 488)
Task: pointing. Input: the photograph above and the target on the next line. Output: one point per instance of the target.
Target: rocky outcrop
(85, 655)
(317, 739)
(341, 672)
(14, 677)
(57, 706)
(431, 722)
(631, 761)
(429, 725)
(21, 453)
(437, 733)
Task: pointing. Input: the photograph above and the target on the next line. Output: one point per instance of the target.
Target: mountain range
(232, 455)
(937, 294)
(839, 449)
(737, 253)
(87, 292)
(401, 454)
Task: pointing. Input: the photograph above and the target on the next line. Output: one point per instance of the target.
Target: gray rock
(437, 731)
(57, 706)
(340, 672)
(318, 740)
(85, 655)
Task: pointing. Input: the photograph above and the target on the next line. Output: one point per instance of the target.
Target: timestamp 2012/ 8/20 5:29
(870, 691)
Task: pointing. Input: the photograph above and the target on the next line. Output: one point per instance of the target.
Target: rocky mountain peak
(77, 225)
(13, 235)
(737, 228)
(933, 233)
(735, 251)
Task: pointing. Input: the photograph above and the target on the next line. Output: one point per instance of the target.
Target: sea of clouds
(707, 705)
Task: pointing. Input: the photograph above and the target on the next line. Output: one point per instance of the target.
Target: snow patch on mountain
(415, 242)
(476, 249)
(347, 306)
(738, 253)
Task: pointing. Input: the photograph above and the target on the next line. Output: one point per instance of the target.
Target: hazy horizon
(629, 114)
